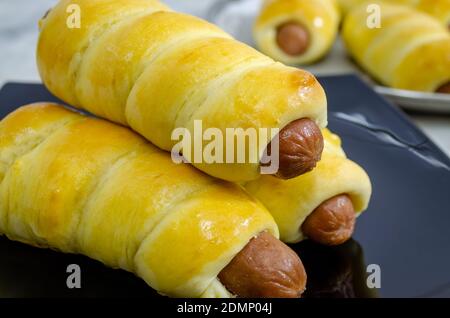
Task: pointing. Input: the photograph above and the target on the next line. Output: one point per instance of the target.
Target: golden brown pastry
(83, 185)
(440, 9)
(297, 31)
(137, 63)
(321, 205)
(409, 51)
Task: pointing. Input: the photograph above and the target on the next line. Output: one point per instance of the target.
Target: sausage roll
(83, 185)
(137, 63)
(346, 5)
(409, 51)
(320, 205)
(297, 31)
(440, 9)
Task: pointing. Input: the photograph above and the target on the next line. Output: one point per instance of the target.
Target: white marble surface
(18, 35)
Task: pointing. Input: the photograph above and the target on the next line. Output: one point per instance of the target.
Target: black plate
(406, 230)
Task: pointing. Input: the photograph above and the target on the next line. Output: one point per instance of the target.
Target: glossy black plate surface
(406, 230)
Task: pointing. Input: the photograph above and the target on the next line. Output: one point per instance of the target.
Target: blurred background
(19, 33)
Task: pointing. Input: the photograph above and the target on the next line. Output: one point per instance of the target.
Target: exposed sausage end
(265, 268)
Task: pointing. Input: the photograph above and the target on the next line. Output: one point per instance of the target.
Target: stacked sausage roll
(84, 185)
(321, 205)
(139, 64)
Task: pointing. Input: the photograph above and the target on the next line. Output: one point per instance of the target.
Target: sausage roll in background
(83, 185)
(346, 5)
(137, 63)
(297, 31)
(321, 205)
(440, 9)
(409, 51)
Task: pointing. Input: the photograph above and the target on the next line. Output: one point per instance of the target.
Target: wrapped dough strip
(439, 9)
(409, 51)
(137, 63)
(295, 31)
(322, 204)
(82, 185)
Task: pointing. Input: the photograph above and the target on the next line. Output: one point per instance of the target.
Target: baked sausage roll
(346, 5)
(83, 185)
(320, 205)
(409, 51)
(137, 63)
(440, 9)
(297, 31)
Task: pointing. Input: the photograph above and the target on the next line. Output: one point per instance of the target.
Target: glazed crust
(440, 9)
(87, 186)
(318, 21)
(140, 64)
(292, 201)
(409, 51)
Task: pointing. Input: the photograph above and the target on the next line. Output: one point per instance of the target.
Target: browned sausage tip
(265, 268)
(300, 148)
(332, 223)
(293, 38)
(444, 89)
